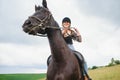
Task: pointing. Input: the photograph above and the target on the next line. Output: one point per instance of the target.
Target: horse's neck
(59, 48)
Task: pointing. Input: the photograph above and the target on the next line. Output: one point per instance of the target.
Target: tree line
(113, 62)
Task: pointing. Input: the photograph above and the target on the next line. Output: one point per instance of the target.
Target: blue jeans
(71, 46)
(86, 68)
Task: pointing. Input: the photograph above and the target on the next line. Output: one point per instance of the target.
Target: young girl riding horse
(70, 34)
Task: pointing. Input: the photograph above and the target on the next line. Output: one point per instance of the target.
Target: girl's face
(66, 24)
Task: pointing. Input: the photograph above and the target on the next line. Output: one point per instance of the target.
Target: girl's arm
(76, 35)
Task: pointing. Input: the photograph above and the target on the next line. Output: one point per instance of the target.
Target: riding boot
(86, 78)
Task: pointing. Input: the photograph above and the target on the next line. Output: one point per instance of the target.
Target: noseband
(42, 24)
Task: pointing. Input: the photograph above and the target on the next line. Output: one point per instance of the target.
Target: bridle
(42, 24)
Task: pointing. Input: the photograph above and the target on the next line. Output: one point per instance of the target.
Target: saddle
(78, 55)
(80, 59)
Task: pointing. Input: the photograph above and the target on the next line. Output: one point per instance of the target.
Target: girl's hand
(76, 31)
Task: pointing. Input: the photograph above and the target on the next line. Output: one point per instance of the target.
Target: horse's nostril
(28, 22)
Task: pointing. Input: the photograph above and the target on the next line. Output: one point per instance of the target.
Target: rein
(45, 35)
(42, 35)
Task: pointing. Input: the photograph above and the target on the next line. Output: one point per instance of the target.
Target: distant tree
(112, 63)
(94, 67)
(117, 61)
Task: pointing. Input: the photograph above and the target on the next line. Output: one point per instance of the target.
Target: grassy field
(105, 73)
(22, 76)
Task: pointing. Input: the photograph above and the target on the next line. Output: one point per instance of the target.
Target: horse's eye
(28, 22)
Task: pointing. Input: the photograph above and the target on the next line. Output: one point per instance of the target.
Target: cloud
(16, 58)
(12, 16)
(18, 69)
(12, 54)
(108, 9)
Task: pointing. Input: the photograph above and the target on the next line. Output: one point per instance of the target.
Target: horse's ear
(37, 8)
(44, 3)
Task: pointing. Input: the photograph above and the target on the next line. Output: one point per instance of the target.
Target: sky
(97, 20)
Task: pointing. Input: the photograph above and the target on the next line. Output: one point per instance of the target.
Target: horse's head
(38, 21)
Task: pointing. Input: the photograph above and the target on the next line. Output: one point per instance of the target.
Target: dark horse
(64, 65)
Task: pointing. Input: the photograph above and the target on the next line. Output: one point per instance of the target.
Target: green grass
(104, 73)
(22, 76)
